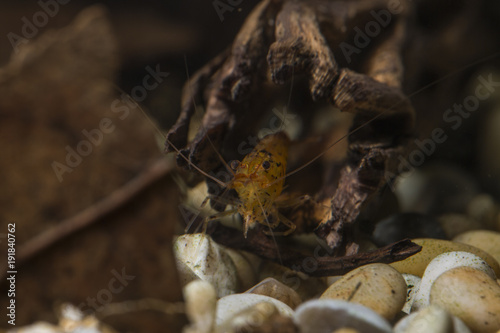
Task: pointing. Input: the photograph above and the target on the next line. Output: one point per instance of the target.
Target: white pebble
(441, 264)
(199, 257)
(229, 306)
(201, 302)
(471, 295)
(412, 284)
(431, 319)
(327, 315)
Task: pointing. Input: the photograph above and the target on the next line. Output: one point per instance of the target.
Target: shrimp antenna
(144, 114)
(268, 224)
(416, 92)
(282, 126)
(218, 181)
(208, 137)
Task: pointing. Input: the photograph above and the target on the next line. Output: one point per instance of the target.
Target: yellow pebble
(376, 286)
(471, 295)
(431, 248)
(486, 240)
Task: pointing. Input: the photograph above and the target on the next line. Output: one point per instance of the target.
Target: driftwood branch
(262, 245)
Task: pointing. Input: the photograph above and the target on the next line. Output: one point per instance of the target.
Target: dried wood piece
(263, 246)
(304, 32)
(248, 53)
(357, 183)
(339, 20)
(234, 80)
(192, 95)
(385, 65)
(300, 47)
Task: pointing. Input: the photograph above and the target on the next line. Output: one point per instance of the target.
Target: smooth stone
(346, 330)
(431, 248)
(455, 224)
(488, 148)
(497, 222)
(483, 209)
(275, 289)
(366, 245)
(230, 305)
(332, 279)
(199, 257)
(327, 315)
(39, 327)
(431, 319)
(201, 300)
(245, 268)
(441, 264)
(486, 240)
(407, 225)
(71, 319)
(435, 189)
(471, 295)
(306, 286)
(376, 286)
(412, 285)
(262, 317)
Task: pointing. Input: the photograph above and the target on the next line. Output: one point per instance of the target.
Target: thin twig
(262, 246)
(95, 212)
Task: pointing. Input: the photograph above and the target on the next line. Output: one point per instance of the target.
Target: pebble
(327, 315)
(38, 328)
(441, 264)
(346, 330)
(431, 248)
(262, 317)
(407, 225)
(484, 210)
(488, 148)
(230, 305)
(376, 286)
(412, 285)
(431, 319)
(455, 224)
(199, 257)
(246, 265)
(275, 289)
(435, 189)
(486, 240)
(201, 299)
(471, 295)
(71, 320)
(306, 286)
(332, 279)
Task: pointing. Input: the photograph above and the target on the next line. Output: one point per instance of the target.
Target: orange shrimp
(258, 180)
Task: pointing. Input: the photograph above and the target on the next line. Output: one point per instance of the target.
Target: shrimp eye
(234, 164)
(266, 165)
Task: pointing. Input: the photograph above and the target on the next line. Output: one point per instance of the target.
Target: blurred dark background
(172, 33)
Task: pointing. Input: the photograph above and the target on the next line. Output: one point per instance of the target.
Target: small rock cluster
(450, 286)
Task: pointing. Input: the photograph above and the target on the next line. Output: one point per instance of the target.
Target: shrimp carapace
(259, 180)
